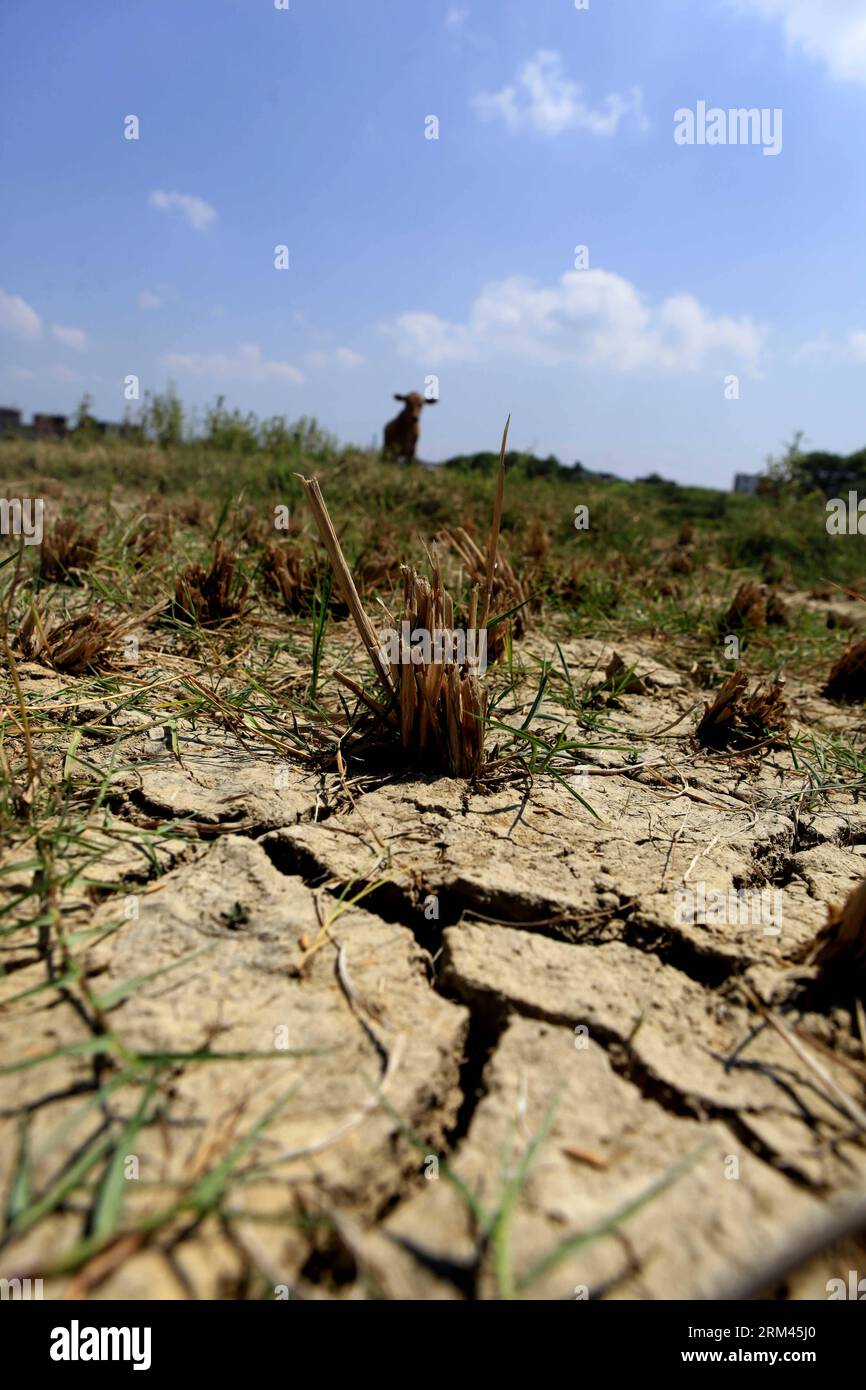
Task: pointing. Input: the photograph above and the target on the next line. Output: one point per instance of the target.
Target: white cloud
(541, 99)
(341, 357)
(247, 364)
(17, 318)
(827, 351)
(21, 374)
(820, 349)
(831, 31)
(196, 211)
(456, 17)
(74, 338)
(857, 345)
(589, 318)
(148, 300)
(60, 372)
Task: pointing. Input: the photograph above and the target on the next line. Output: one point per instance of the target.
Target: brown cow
(401, 433)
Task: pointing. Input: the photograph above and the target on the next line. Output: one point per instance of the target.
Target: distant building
(746, 482)
(57, 427)
(657, 480)
(10, 420)
(49, 426)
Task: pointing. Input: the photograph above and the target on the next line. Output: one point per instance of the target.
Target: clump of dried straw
(434, 706)
(839, 949)
(508, 592)
(210, 596)
(754, 607)
(66, 551)
(847, 678)
(737, 716)
(82, 643)
(441, 707)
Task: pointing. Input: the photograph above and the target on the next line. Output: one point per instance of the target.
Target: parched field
(286, 1010)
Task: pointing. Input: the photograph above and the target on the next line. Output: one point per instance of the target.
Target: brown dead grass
(507, 590)
(287, 573)
(213, 596)
(754, 606)
(437, 708)
(737, 716)
(847, 679)
(83, 643)
(748, 609)
(152, 536)
(67, 551)
(442, 708)
(840, 946)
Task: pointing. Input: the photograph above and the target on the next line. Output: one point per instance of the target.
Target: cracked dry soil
(514, 979)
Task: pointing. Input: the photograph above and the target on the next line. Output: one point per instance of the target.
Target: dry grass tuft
(208, 597)
(378, 571)
(823, 591)
(195, 512)
(777, 611)
(67, 551)
(435, 703)
(573, 582)
(847, 679)
(836, 621)
(774, 571)
(754, 607)
(286, 573)
(748, 609)
(680, 561)
(297, 577)
(840, 945)
(536, 541)
(437, 709)
(441, 707)
(621, 678)
(736, 717)
(154, 535)
(80, 644)
(506, 590)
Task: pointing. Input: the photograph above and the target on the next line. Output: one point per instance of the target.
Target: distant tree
(817, 471)
(657, 480)
(781, 472)
(230, 430)
(162, 417)
(85, 421)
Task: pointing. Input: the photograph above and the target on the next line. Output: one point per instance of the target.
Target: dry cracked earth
(398, 1009)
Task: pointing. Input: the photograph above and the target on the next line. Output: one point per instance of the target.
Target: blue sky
(454, 257)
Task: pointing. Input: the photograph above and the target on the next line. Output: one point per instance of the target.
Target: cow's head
(414, 403)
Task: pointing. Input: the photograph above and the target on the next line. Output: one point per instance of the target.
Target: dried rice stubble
(443, 704)
(210, 597)
(81, 644)
(736, 716)
(437, 708)
(847, 679)
(839, 949)
(508, 591)
(67, 550)
(85, 642)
